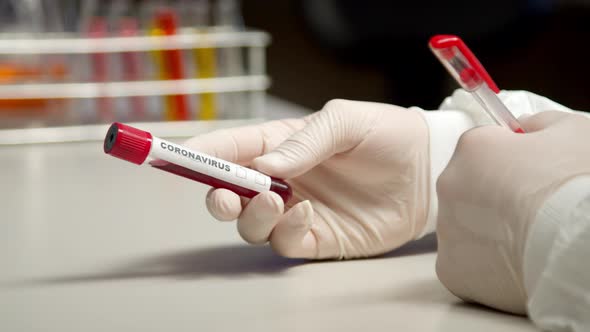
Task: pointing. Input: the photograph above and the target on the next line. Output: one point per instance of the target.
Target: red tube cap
(127, 143)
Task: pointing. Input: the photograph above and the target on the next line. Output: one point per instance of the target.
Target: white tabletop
(91, 243)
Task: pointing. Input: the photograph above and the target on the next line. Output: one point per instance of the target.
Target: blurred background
(376, 49)
(70, 62)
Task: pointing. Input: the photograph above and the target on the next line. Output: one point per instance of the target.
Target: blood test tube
(100, 67)
(132, 65)
(138, 146)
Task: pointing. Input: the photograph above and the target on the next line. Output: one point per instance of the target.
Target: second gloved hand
(360, 173)
(490, 194)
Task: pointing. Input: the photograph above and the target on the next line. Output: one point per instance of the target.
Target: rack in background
(133, 72)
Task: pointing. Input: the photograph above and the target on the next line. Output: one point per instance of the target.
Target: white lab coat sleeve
(557, 260)
(459, 113)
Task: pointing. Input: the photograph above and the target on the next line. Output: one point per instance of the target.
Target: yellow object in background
(206, 68)
(158, 57)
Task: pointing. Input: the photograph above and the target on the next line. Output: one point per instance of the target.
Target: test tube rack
(252, 80)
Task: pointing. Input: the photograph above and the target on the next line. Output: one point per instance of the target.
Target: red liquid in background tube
(280, 187)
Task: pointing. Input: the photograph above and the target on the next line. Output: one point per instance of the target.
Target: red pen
(166, 21)
(138, 146)
(462, 64)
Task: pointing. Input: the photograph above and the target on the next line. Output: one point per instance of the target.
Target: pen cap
(461, 63)
(127, 143)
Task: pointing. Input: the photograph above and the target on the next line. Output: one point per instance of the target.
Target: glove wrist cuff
(445, 128)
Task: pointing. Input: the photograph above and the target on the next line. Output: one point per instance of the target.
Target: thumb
(334, 129)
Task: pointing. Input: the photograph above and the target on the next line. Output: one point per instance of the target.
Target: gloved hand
(360, 176)
(489, 195)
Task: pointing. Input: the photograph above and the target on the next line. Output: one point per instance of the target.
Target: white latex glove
(519, 102)
(360, 176)
(461, 112)
(489, 195)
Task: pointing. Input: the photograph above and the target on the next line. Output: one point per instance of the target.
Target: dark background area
(377, 50)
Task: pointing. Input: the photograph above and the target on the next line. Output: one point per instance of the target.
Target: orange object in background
(16, 73)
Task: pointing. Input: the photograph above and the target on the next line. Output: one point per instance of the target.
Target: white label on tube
(205, 164)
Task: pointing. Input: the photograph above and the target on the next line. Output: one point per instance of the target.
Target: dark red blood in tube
(281, 188)
(278, 186)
